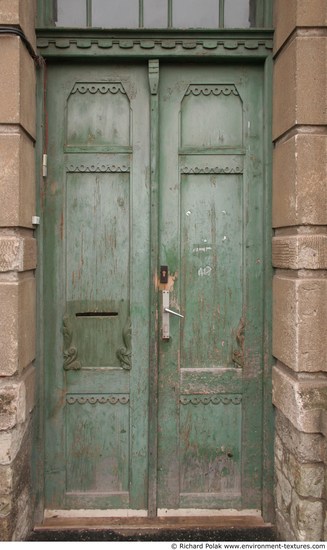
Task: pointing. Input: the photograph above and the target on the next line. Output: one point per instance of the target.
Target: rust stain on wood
(167, 286)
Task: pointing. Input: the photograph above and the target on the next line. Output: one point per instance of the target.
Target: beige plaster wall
(300, 259)
(17, 265)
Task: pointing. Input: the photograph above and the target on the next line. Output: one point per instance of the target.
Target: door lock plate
(164, 274)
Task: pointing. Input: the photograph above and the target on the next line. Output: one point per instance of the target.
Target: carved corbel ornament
(124, 354)
(238, 354)
(70, 351)
(154, 76)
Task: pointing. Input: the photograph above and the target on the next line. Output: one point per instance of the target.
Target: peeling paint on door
(98, 324)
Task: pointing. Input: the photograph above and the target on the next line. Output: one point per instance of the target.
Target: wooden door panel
(210, 372)
(92, 122)
(210, 457)
(97, 303)
(97, 234)
(211, 116)
(97, 299)
(211, 267)
(97, 442)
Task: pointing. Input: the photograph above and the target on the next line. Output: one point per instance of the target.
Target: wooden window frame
(263, 14)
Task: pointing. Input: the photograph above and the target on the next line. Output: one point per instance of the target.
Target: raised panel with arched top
(211, 116)
(98, 114)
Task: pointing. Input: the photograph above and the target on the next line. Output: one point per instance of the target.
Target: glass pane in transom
(155, 13)
(238, 14)
(71, 13)
(115, 13)
(195, 14)
(160, 14)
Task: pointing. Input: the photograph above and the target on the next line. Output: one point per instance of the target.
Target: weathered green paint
(97, 281)
(137, 422)
(211, 219)
(153, 66)
(223, 44)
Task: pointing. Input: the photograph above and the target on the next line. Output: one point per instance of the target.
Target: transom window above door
(160, 14)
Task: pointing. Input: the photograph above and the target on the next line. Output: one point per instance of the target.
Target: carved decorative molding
(98, 87)
(214, 89)
(209, 170)
(93, 168)
(162, 46)
(70, 351)
(124, 354)
(92, 399)
(214, 399)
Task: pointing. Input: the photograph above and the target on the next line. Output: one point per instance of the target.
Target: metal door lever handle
(173, 312)
(166, 312)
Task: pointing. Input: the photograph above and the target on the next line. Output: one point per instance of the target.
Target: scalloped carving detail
(92, 399)
(92, 168)
(98, 87)
(214, 89)
(240, 46)
(208, 170)
(214, 399)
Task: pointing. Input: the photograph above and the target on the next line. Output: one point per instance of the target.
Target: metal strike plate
(166, 312)
(165, 315)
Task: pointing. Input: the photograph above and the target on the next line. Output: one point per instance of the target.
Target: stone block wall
(300, 259)
(17, 266)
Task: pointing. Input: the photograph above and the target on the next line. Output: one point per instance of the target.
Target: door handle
(166, 312)
(173, 312)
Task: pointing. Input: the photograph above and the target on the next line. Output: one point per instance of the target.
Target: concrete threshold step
(162, 528)
(191, 522)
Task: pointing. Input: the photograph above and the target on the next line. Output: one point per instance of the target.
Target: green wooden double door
(154, 167)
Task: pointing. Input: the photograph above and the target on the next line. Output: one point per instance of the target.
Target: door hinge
(45, 165)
